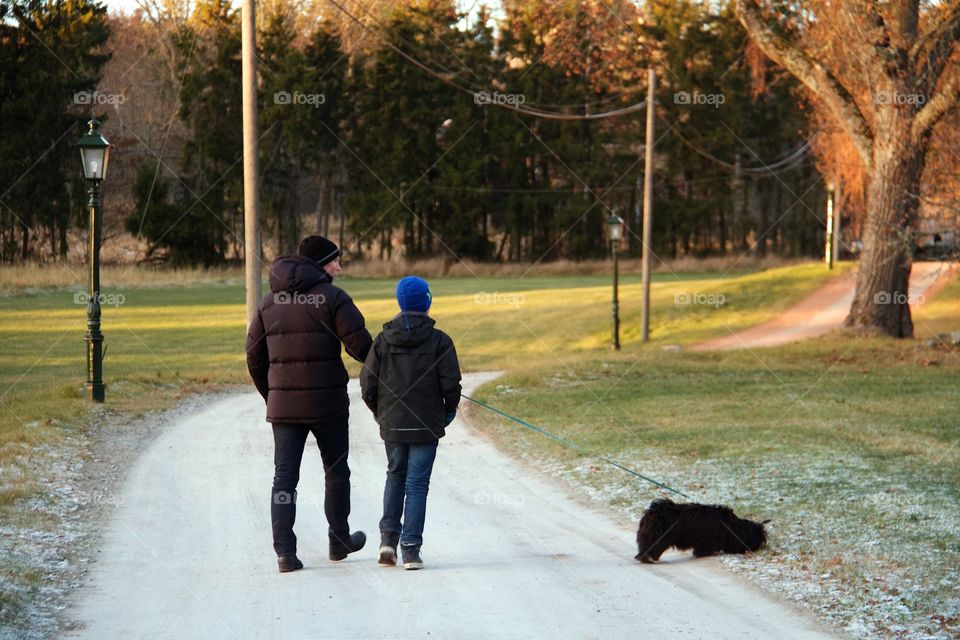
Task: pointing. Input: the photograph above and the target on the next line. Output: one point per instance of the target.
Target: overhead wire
(790, 162)
(451, 72)
(782, 166)
(548, 115)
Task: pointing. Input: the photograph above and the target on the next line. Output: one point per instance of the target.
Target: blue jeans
(408, 476)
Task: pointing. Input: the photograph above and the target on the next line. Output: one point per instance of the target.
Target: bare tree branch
(813, 75)
(907, 15)
(946, 31)
(939, 105)
(931, 60)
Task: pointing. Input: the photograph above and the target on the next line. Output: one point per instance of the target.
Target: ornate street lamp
(94, 153)
(615, 227)
(830, 255)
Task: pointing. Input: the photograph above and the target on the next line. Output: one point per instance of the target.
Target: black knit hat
(319, 249)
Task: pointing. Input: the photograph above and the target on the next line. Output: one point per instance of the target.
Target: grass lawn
(162, 340)
(849, 444)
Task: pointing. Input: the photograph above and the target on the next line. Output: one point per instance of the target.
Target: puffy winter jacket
(293, 344)
(411, 379)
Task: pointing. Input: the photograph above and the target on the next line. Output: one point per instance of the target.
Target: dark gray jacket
(293, 344)
(411, 379)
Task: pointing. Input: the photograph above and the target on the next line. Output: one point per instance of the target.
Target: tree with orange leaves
(886, 73)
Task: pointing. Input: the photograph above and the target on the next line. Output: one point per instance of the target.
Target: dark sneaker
(340, 549)
(388, 549)
(289, 563)
(411, 557)
(388, 556)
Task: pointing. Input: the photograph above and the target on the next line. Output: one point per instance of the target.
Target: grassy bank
(849, 444)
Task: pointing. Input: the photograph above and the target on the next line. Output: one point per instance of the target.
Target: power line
(782, 166)
(549, 115)
(451, 72)
(787, 164)
(564, 190)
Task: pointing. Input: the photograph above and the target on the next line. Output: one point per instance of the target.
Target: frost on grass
(48, 537)
(871, 549)
(37, 542)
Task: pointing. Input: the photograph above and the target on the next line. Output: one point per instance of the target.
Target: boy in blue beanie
(411, 382)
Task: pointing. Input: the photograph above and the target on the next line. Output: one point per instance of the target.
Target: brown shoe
(289, 563)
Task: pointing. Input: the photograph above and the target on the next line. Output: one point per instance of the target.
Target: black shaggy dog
(707, 529)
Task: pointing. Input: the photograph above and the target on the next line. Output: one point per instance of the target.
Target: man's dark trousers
(334, 443)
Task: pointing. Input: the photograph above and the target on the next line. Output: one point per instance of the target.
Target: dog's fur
(707, 529)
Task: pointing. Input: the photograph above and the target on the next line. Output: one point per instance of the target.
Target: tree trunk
(25, 242)
(337, 199)
(777, 235)
(288, 229)
(765, 202)
(882, 300)
(321, 206)
(722, 228)
(63, 227)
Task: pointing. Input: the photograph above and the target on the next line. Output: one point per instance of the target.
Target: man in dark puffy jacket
(411, 382)
(293, 355)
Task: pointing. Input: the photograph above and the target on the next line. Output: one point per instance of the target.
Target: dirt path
(188, 553)
(824, 310)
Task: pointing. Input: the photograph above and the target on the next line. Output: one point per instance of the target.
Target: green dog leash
(573, 445)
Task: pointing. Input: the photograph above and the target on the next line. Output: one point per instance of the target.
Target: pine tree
(210, 106)
(52, 55)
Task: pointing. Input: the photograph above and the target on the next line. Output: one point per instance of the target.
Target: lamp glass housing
(94, 162)
(615, 226)
(94, 153)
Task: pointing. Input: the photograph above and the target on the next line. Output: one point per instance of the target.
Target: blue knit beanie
(413, 294)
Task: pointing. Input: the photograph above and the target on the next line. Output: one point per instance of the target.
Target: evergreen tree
(283, 142)
(176, 230)
(210, 106)
(715, 104)
(52, 55)
(399, 110)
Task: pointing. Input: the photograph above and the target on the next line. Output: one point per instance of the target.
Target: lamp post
(615, 227)
(828, 256)
(94, 153)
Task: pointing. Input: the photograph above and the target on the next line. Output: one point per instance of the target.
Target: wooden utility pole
(648, 205)
(251, 159)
